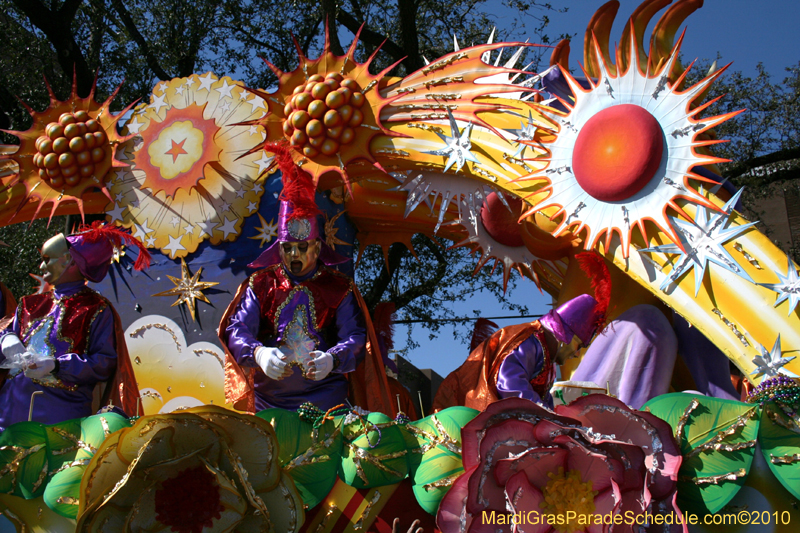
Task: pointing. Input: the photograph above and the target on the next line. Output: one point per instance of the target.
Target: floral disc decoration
(63, 157)
(204, 469)
(596, 457)
(627, 144)
(188, 177)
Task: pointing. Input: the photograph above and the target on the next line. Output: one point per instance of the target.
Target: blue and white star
(770, 364)
(457, 147)
(702, 241)
(788, 288)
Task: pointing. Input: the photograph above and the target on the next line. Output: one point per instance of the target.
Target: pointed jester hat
(298, 217)
(92, 248)
(584, 315)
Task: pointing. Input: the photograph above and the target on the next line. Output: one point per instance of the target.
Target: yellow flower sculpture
(188, 177)
(201, 470)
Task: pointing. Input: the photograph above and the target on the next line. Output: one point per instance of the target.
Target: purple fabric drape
(634, 355)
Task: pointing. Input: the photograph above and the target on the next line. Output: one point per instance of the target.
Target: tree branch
(370, 36)
(56, 26)
(130, 25)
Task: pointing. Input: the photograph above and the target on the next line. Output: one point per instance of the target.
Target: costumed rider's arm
(243, 344)
(517, 370)
(10, 344)
(346, 355)
(100, 360)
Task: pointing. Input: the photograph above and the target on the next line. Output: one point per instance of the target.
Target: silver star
(457, 147)
(789, 287)
(525, 133)
(771, 363)
(702, 241)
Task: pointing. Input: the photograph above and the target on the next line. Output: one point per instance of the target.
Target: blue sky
(741, 31)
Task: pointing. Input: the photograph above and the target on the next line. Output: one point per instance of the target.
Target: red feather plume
(298, 186)
(483, 329)
(595, 267)
(383, 321)
(99, 230)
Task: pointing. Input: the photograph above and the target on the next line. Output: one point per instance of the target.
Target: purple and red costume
(79, 330)
(333, 319)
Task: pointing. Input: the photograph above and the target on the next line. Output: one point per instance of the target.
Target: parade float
(522, 168)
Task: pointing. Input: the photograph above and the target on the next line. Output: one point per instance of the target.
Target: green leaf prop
(23, 459)
(717, 439)
(32, 454)
(374, 451)
(82, 436)
(781, 447)
(437, 457)
(310, 458)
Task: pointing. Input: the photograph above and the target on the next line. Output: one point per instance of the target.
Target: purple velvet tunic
(289, 393)
(80, 371)
(517, 370)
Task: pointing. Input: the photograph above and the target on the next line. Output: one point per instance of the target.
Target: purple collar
(68, 289)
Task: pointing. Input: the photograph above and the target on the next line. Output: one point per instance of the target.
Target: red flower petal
(509, 408)
(608, 416)
(452, 516)
(525, 500)
(597, 468)
(535, 463)
(501, 440)
(606, 503)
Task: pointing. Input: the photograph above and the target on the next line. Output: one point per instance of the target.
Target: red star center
(176, 150)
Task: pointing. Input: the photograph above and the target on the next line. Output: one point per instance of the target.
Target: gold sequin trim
(715, 480)
(784, 459)
(163, 327)
(715, 443)
(444, 62)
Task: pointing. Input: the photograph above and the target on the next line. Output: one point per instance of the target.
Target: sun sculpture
(62, 159)
(186, 178)
(627, 144)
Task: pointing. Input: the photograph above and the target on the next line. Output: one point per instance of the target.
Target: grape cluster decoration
(72, 149)
(322, 114)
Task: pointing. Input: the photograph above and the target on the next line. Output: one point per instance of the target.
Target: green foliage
(717, 440)
(21, 255)
(777, 441)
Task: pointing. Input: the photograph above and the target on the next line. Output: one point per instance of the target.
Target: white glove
(272, 362)
(321, 366)
(11, 346)
(41, 369)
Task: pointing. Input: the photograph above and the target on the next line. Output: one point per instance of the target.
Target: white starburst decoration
(702, 241)
(457, 147)
(650, 94)
(468, 197)
(525, 133)
(770, 364)
(788, 288)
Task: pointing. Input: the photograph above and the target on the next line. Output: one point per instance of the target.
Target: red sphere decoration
(617, 152)
(501, 223)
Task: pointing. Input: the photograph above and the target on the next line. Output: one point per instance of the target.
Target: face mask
(55, 259)
(300, 258)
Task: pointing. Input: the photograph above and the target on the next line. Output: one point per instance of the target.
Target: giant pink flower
(532, 470)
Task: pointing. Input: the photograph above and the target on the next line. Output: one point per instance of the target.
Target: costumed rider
(520, 360)
(297, 330)
(65, 342)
